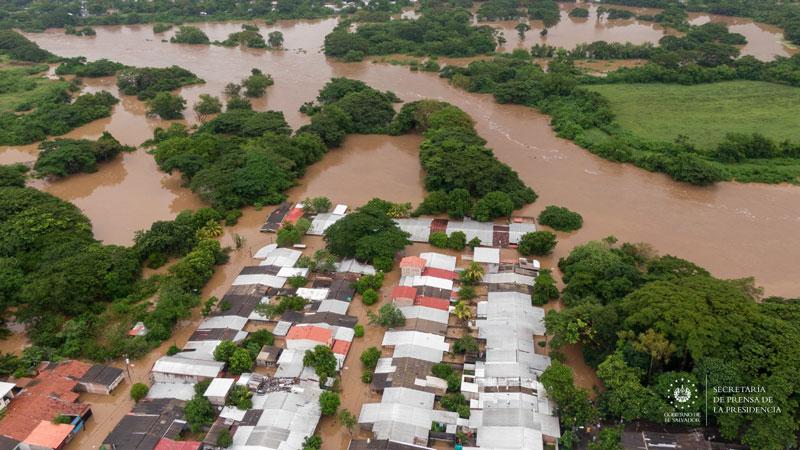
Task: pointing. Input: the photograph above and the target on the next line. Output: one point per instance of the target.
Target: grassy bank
(23, 85)
(705, 112)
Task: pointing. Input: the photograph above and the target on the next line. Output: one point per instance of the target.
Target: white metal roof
(261, 279)
(189, 367)
(435, 282)
(313, 294)
(425, 313)
(219, 387)
(179, 391)
(5, 388)
(263, 252)
(507, 277)
(516, 230)
(420, 228)
(282, 257)
(336, 306)
(287, 272)
(233, 413)
(232, 322)
(353, 266)
(487, 255)
(322, 222)
(439, 260)
(340, 209)
(481, 230)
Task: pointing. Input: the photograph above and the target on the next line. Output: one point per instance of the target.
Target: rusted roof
(169, 444)
(432, 302)
(310, 332)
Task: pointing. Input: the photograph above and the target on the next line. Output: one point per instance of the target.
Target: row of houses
(285, 394)
(420, 228)
(43, 412)
(509, 408)
(406, 414)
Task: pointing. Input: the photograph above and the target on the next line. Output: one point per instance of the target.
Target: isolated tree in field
(139, 391)
(207, 106)
(522, 28)
(275, 39)
(329, 402)
(167, 106)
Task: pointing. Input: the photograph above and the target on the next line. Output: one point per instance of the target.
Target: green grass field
(23, 84)
(706, 112)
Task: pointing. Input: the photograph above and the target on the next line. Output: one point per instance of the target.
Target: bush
(370, 297)
(438, 239)
(366, 376)
(537, 243)
(466, 344)
(560, 218)
(370, 357)
(173, 350)
(544, 289)
(297, 281)
(388, 316)
(329, 403)
(224, 439)
(358, 330)
(139, 391)
(457, 240)
(383, 263)
(156, 260)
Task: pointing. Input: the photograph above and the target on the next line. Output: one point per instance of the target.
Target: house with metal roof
(487, 257)
(175, 369)
(434, 282)
(416, 344)
(217, 391)
(351, 265)
(419, 228)
(439, 261)
(322, 221)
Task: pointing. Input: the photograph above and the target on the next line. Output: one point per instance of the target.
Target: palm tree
(462, 311)
(472, 274)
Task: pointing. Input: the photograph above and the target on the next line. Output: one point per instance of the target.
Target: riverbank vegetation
(24, 86)
(35, 17)
(63, 157)
(47, 251)
(146, 82)
(697, 63)
(646, 321)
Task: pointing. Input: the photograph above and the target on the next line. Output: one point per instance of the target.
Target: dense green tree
(257, 83)
(329, 402)
(139, 391)
(198, 412)
(365, 235)
(388, 316)
(537, 243)
(275, 39)
(369, 357)
(240, 362)
(224, 439)
(207, 106)
(369, 297)
(312, 442)
(560, 218)
(323, 361)
(13, 175)
(167, 106)
(190, 35)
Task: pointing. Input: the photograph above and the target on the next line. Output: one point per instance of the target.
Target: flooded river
(735, 230)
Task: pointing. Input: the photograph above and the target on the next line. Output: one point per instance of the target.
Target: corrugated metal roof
(487, 255)
(287, 272)
(219, 387)
(435, 282)
(282, 257)
(439, 260)
(261, 279)
(322, 222)
(192, 367)
(419, 228)
(263, 252)
(179, 391)
(353, 266)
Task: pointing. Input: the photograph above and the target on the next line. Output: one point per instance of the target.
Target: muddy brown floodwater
(734, 230)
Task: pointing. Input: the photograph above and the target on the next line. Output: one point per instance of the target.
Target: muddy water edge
(734, 230)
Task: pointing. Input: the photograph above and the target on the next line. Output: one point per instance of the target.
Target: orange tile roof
(71, 369)
(313, 333)
(341, 347)
(169, 444)
(25, 412)
(412, 261)
(48, 434)
(404, 292)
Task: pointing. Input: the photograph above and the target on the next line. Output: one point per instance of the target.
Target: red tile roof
(48, 434)
(412, 261)
(71, 369)
(431, 302)
(293, 215)
(313, 333)
(25, 412)
(404, 292)
(439, 273)
(169, 444)
(341, 347)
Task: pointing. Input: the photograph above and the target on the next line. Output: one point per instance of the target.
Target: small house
(268, 357)
(217, 391)
(412, 266)
(307, 337)
(171, 369)
(6, 394)
(100, 380)
(487, 257)
(403, 295)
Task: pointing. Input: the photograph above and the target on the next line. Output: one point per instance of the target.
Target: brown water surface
(735, 230)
